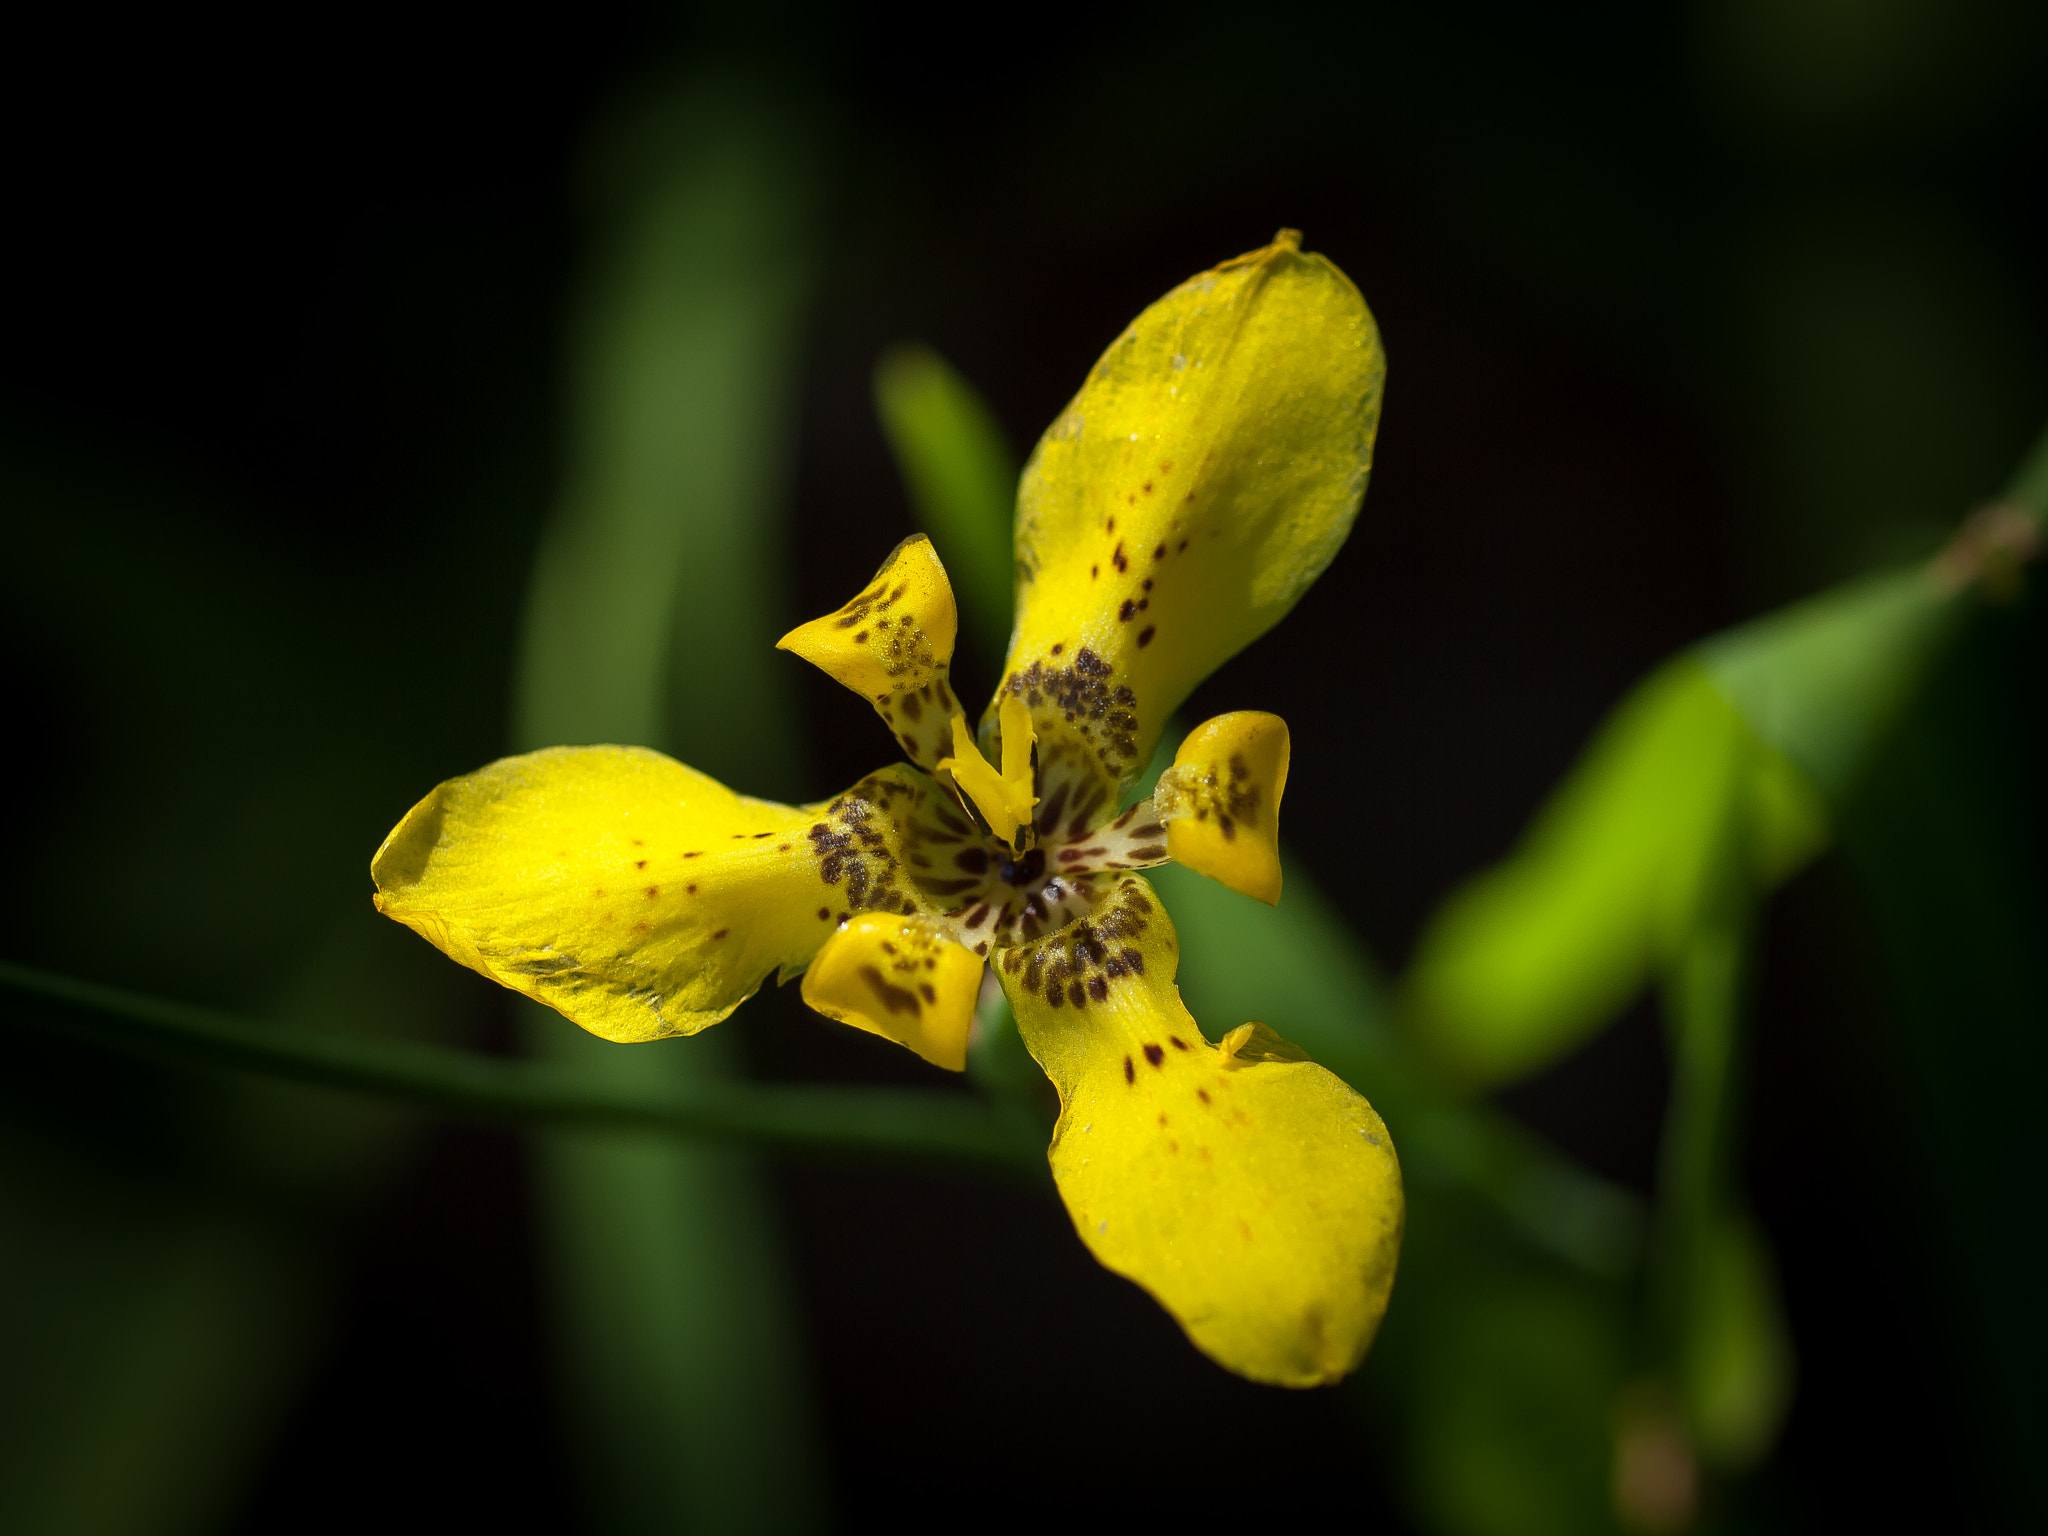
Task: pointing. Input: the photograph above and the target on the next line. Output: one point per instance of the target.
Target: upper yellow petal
(1220, 801)
(1255, 1195)
(893, 645)
(1206, 474)
(636, 895)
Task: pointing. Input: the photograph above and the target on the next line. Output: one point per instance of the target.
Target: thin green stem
(891, 1123)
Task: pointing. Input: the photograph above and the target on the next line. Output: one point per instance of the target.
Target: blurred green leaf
(1532, 957)
(962, 477)
(652, 620)
(1820, 681)
(1718, 1329)
(1776, 720)
(1509, 1419)
(1735, 1364)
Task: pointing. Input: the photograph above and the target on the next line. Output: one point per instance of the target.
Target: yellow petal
(1004, 799)
(1206, 474)
(901, 978)
(893, 645)
(1252, 1193)
(1220, 801)
(638, 896)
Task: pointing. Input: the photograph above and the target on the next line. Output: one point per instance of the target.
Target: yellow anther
(1256, 1042)
(1005, 799)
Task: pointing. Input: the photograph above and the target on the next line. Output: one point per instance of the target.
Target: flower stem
(893, 1123)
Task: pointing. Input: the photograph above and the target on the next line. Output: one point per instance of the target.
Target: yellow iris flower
(1207, 472)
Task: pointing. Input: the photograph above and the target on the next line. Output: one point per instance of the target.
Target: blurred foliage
(1807, 259)
(649, 622)
(962, 480)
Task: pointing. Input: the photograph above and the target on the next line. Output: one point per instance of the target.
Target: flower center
(992, 896)
(1020, 872)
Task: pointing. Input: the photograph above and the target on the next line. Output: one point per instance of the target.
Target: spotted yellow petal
(1206, 474)
(893, 645)
(1220, 801)
(636, 895)
(1252, 1193)
(902, 978)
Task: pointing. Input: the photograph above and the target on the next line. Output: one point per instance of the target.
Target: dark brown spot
(1057, 647)
(1159, 553)
(695, 854)
(1127, 610)
(1098, 988)
(721, 933)
(1155, 1054)
(1130, 1072)
(824, 913)
(861, 638)
(929, 992)
(1145, 635)
(1148, 853)
(653, 891)
(1177, 1043)
(688, 890)
(1202, 1094)
(1118, 559)
(639, 863)
(894, 999)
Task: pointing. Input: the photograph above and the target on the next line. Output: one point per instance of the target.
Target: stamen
(1004, 799)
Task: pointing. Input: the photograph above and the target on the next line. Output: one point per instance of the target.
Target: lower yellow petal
(1255, 1195)
(637, 896)
(1220, 801)
(901, 978)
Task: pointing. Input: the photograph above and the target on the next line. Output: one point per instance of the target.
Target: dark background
(1689, 310)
